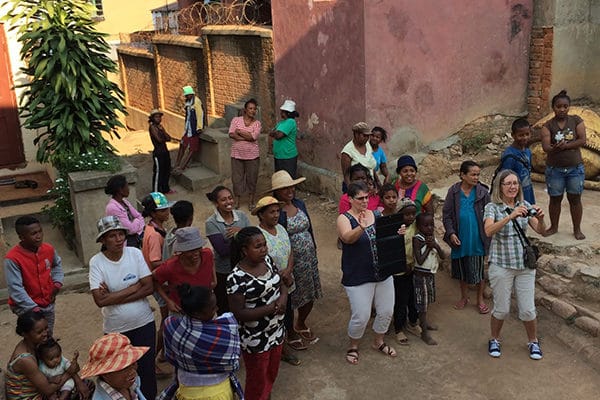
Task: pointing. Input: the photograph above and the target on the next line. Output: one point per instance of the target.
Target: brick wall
(180, 66)
(540, 73)
(241, 68)
(140, 81)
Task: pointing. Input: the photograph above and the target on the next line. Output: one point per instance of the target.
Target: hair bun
(562, 93)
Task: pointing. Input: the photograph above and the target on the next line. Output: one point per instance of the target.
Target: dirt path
(458, 368)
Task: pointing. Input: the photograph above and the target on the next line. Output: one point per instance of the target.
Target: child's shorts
(424, 290)
(561, 179)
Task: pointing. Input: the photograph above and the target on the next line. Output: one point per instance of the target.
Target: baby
(52, 364)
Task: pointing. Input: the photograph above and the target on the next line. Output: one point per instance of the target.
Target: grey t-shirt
(215, 225)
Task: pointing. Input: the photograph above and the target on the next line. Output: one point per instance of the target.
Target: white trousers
(362, 297)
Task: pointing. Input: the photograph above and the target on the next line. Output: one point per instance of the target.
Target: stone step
(18, 210)
(197, 176)
(75, 281)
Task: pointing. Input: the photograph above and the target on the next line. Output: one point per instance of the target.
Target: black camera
(531, 212)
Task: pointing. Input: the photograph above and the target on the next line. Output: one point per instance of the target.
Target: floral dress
(306, 271)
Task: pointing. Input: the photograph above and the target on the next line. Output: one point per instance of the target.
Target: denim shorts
(561, 179)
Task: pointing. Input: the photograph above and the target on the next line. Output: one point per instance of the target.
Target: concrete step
(196, 177)
(18, 210)
(75, 281)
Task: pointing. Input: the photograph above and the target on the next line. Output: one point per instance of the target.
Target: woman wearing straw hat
(161, 168)
(278, 244)
(285, 152)
(295, 219)
(114, 361)
(120, 281)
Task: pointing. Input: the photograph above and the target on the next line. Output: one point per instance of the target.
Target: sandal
(297, 344)
(290, 359)
(401, 338)
(352, 356)
(307, 335)
(483, 308)
(385, 349)
(462, 303)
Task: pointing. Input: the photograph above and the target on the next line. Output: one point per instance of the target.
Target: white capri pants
(362, 297)
(502, 281)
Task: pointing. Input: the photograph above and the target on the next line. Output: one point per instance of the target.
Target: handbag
(531, 253)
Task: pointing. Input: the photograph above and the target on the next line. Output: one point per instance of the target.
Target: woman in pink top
(360, 173)
(118, 206)
(244, 131)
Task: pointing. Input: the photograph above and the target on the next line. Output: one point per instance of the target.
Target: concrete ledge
(238, 30)
(178, 40)
(88, 180)
(129, 50)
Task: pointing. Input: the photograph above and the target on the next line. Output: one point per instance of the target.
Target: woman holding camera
(506, 265)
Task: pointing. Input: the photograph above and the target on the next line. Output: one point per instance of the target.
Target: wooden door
(11, 142)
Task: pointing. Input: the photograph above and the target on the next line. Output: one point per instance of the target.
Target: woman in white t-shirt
(357, 151)
(120, 281)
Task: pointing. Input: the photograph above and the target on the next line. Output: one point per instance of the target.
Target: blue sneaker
(535, 353)
(494, 348)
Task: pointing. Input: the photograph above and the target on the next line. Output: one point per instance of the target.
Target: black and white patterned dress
(268, 332)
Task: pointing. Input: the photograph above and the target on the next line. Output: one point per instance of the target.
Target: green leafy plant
(68, 98)
(474, 144)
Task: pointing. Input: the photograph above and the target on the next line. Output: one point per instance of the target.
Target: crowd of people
(251, 294)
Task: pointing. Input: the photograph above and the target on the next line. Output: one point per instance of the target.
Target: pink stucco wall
(431, 65)
(319, 63)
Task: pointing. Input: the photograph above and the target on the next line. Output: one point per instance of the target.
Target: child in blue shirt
(517, 157)
(378, 135)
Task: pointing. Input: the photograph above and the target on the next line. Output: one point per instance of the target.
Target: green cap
(188, 90)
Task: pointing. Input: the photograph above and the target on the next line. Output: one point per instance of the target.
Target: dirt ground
(458, 368)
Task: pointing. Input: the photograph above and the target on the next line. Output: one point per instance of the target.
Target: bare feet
(432, 327)
(550, 231)
(579, 235)
(426, 337)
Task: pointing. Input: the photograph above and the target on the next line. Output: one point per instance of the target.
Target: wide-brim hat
(265, 202)
(288, 105)
(282, 179)
(361, 127)
(155, 112)
(188, 90)
(111, 353)
(107, 224)
(188, 238)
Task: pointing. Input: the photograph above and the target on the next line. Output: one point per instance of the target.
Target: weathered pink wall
(319, 63)
(437, 65)
(429, 64)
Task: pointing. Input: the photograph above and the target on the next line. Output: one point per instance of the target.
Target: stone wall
(240, 61)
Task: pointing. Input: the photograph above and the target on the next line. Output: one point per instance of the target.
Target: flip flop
(483, 308)
(290, 359)
(297, 344)
(462, 303)
(307, 335)
(387, 350)
(352, 356)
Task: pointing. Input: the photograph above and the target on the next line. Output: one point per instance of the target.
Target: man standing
(161, 169)
(194, 124)
(33, 271)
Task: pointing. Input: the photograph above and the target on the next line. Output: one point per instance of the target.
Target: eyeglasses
(361, 198)
(510, 183)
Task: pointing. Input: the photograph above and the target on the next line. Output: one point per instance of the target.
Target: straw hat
(282, 179)
(264, 202)
(288, 105)
(107, 224)
(155, 112)
(188, 238)
(361, 127)
(111, 353)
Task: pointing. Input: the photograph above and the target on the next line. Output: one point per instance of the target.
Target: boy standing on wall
(194, 124)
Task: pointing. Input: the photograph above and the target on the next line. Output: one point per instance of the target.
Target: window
(99, 11)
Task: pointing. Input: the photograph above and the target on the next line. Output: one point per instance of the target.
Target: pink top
(243, 149)
(374, 202)
(135, 226)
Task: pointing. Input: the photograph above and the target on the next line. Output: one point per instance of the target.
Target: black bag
(531, 253)
(391, 254)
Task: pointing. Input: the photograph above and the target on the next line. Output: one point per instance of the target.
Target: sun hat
(361, 127)
(282, 179)
(154, 112)
(405, 202)
(156, 201)
(107, 224)
(264, 202)
(288, 105)
(111, 353)
(188, 238)
(404, 161)
(188, 90)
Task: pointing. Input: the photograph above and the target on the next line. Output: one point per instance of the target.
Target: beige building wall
(128, 16)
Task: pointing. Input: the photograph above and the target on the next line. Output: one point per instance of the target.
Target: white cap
(289, 106)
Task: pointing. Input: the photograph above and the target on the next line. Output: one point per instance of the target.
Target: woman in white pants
(356, 230)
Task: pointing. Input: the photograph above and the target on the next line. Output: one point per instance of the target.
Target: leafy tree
(68, 97)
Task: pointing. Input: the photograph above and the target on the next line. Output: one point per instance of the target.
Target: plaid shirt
(106, 392)
(506, 250)
(203, 348)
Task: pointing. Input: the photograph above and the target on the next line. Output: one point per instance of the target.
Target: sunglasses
(361, 198)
